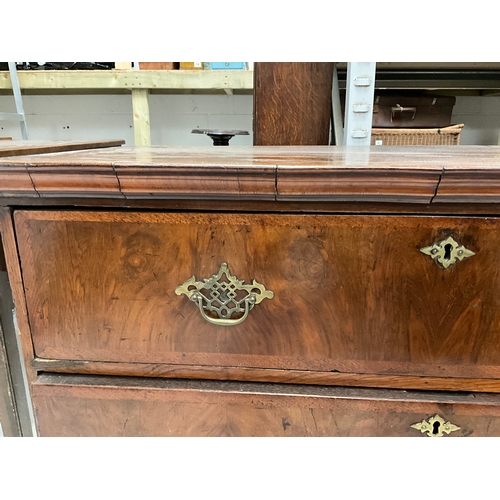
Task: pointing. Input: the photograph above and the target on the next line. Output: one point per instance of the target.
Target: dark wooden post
(292, 103)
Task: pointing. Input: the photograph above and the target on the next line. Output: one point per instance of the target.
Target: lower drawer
(78, 405)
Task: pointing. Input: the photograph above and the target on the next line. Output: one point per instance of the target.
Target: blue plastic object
(227, 65)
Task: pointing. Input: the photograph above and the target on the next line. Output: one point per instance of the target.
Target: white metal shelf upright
(360, 89)
(19, 116)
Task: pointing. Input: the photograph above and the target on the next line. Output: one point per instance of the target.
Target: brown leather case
(412, 111)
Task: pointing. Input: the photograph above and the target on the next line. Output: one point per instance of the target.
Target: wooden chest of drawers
(258, 291)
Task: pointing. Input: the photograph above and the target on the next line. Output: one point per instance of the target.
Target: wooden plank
(140, 109)
(127, 80)
(20, 148)
(123, 65)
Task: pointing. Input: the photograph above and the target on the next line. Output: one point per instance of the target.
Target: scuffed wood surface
(111, 406)
(410, 175)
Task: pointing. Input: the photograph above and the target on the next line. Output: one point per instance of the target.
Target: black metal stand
(219, 137)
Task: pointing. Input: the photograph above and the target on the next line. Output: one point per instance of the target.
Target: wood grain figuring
(8, 243)
(100, 406)
(292, 103)
(352, 293)
(21, 148)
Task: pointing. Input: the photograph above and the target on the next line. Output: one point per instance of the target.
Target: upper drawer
(351, 293)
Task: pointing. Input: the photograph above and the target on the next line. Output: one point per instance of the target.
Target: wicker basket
(446, 136)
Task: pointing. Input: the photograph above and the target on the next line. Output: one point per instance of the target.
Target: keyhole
(447, 251)
(435, 427)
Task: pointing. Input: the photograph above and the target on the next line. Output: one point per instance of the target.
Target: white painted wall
(481, 116)
(92, 117)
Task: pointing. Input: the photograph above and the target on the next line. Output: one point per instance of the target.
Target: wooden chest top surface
(409, 157)
(422, 175)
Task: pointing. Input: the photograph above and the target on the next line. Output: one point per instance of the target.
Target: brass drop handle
(249, 303)
(225, 296)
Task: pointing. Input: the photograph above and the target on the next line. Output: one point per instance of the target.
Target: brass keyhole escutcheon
(435, 426)
(447, 252)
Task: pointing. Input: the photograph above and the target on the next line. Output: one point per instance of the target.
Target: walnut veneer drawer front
(115, 406)
(350, 294)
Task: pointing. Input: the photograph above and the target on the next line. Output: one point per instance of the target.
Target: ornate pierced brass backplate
(447, 252)
(435, 426)
(224, 299)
